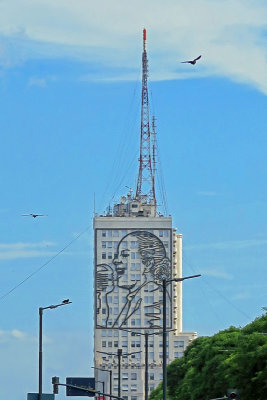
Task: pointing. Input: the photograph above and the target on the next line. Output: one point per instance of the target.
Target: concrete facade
(134, 251)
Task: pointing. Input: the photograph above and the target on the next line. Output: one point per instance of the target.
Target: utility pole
(119, 354)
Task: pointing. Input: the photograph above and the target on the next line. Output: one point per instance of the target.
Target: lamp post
(41, 309)
(103, 387)
(164, 326)
(119, 354)
(145, 334)
(110, 377)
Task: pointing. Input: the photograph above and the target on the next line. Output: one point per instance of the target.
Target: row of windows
(109, 255)
(137, 356)
(131, 387)
(114, 244)
(133, 322)
(129, 398)
(125, 343)
(132, 376)
(116, 233)
(134, 397)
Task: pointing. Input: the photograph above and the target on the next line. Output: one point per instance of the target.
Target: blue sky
(70, 115)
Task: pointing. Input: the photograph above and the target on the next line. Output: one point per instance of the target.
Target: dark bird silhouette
(66, 301)
(193, 62)
(34, 215)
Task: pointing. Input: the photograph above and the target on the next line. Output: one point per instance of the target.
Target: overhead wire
(159, 171)
(125, 144)
(218, 292)
(43, 265)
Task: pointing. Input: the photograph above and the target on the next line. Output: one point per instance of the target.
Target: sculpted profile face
(155, 263)
(148, 252)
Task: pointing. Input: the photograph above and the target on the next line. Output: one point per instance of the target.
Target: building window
(104, 245)
(103, 311)
(110, 255)
(151, 377)
(178, 343)
(125, 344)
(104, 256)
(104, 332)
(133, 398)
(104, 344)
(125, 388)
(115, 233)
(125, 376)
(133, 376)
(151, 355)
(104, 233)
(116, 343)
(133, 387)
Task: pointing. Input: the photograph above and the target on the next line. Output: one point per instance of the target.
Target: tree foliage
(231, 359)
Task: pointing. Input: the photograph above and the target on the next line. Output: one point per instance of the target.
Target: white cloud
(229, 245)
(19, 361)
(23, 245)
(230, 35)
(216, 273)
(41, 82)
(11, 251)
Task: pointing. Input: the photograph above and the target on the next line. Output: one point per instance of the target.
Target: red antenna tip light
(144, 34)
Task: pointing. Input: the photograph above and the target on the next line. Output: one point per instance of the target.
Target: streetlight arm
(184, 278)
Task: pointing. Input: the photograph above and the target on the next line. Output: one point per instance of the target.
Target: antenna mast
(145, 189)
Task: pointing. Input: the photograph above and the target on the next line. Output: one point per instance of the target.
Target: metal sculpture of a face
(149, 251)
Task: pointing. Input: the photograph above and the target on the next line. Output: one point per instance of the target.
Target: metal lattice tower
(145, 189)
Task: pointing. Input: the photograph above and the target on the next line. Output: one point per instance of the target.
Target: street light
(146, 334)
(119, 355)
(103, 385)
(164, 326)
(41, 309)
(110, 377)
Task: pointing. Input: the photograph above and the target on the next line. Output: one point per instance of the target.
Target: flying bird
(34, 215)
(66, 301)
(193, 62)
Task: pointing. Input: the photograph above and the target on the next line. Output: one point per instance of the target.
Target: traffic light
(55, 382)
(233, 395)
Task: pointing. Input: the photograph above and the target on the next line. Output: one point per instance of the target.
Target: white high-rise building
(135, 249)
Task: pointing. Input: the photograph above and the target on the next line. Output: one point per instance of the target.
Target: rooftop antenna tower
(145, 189)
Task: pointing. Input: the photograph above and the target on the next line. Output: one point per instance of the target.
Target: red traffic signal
(233, 395)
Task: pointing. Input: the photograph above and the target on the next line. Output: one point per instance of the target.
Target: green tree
(233, 358)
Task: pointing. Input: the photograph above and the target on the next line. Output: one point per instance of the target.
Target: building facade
(134, 251)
